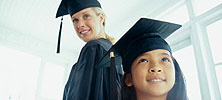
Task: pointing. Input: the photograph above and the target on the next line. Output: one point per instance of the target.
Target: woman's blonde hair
(100, 11)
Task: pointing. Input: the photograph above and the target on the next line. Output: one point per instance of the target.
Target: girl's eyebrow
(145, 54)
(165, 54)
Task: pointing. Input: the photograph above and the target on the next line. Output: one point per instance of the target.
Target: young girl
(151, 72)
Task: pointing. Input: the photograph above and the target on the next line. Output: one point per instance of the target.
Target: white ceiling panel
(36, 18)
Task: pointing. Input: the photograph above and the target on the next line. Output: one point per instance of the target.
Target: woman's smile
(84, 32)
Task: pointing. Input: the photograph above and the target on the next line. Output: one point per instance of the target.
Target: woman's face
(88, 24)
(153, 73)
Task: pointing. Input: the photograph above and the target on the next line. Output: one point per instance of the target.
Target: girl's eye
(143, 60)
(165, 60)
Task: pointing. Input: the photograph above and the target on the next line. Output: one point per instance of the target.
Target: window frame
(194, 33)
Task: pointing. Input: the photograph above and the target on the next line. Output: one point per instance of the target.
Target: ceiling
(31, 26)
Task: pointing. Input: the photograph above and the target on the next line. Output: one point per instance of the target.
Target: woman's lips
(84, 32)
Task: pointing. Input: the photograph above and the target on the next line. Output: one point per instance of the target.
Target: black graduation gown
(87, 80)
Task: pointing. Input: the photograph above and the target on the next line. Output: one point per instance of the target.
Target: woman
(88, 80)
(151, 72)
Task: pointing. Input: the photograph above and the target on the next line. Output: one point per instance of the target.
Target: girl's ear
(128, 80)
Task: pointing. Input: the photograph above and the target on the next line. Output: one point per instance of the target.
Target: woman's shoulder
(96, 48)
(100, 43)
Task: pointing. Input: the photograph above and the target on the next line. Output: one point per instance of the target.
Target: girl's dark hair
(178, 92)
(126, 93)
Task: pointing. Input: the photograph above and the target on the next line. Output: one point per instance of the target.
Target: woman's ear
(128, 80)
(102, 17)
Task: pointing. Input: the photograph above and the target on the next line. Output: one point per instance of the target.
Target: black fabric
(73, 6)
(59, 37)
(88, 80)
(113, 87)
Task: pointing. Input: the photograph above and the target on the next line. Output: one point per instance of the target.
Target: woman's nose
(80, 24)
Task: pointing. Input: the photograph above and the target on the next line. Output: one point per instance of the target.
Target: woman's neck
(101, 34)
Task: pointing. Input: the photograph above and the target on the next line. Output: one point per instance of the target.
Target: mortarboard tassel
(59, 37)
(113, 87)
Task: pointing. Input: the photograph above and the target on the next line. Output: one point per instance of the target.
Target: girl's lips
(155, 79)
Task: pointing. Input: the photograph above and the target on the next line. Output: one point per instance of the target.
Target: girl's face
(153, 74)
(88, 24)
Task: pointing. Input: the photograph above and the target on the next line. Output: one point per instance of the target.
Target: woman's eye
(86, 16)
(143, 60)
(75, 20)
(165, 60)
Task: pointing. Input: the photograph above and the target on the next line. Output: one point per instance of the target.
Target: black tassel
(113, 85)
(59, 37)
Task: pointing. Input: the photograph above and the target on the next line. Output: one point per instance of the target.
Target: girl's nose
(155, 69)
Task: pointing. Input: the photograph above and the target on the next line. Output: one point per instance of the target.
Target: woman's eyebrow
(73, 18)
(85, 12)
(81, 13)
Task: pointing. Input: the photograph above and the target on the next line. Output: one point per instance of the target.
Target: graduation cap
(71, 7)
(145, 35)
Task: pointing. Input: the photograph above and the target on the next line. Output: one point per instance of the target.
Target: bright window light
(201, 6)
(186, 60)
(52, 84)
(219, 77)
(214, 35)
(18, 75)
(178, 15)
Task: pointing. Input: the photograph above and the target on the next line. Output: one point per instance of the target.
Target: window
(201, 6)
(178, 15)
(18, 75)
(186, 60)
(219, 76)
(52, 84)
(214, 35)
